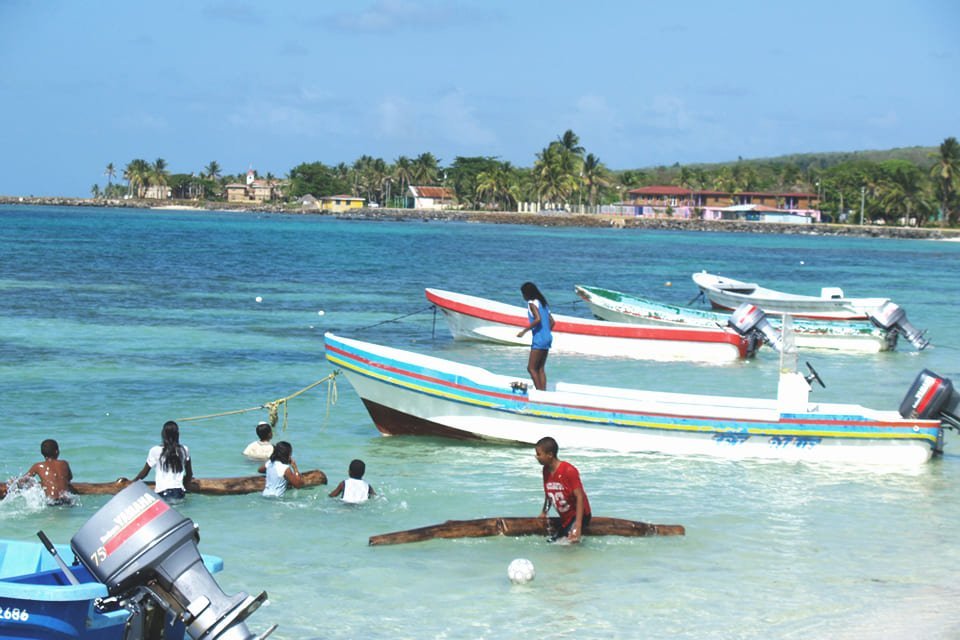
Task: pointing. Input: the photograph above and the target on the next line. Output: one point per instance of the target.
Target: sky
(271, 85)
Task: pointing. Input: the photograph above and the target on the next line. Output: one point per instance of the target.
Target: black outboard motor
(750, 321)
(891, 317)
(140, 547)
(930, 397)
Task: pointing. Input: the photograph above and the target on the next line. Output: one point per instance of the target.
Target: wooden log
(483, 527)
(206, 486)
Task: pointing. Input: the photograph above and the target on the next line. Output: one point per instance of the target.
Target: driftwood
(524, 527)
(206, 486)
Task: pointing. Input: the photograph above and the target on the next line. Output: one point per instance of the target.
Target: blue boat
(38, 601)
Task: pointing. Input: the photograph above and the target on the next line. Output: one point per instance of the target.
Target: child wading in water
(354, 489)
(281, 470)
(54, 474)
(261, 449)
(174, 471)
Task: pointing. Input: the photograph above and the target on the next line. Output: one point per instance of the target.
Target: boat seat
(20, 558)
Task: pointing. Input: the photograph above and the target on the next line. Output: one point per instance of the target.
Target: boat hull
(728, 293)
(412, 394)
(846, 336)
(472, 318)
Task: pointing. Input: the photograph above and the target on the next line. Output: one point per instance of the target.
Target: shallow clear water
(114, 321)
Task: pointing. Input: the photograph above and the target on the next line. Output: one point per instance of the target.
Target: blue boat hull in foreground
(37, 601)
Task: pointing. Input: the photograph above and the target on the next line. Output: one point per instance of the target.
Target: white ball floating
(320, 313)
(258, 299)
(521, 571)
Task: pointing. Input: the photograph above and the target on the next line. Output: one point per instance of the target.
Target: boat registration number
(14, 613)
(800, 442)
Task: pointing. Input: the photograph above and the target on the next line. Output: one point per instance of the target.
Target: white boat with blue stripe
(407, 393)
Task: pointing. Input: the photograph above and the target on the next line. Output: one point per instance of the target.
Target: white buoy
(521, 571)
(258, 299)
(320, 313)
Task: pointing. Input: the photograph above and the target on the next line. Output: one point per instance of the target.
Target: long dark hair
(530, 292)
(282, 452)
(173, 455)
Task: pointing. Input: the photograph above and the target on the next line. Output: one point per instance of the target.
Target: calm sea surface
(113, 321)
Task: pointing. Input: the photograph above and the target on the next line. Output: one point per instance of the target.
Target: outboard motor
(891, 317)
(930, 397)
(141, 548)
(750, 321)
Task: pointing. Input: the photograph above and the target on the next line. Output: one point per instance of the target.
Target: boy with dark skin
(54, 474)
(562, 488)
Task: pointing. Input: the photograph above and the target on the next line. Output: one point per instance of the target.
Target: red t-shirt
(559, 487)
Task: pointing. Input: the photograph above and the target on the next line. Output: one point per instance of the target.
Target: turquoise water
(114, 321)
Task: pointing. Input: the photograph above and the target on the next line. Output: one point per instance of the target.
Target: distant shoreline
(552, 219)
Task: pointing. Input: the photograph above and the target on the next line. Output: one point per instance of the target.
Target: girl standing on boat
(172, 462)
(541, 324)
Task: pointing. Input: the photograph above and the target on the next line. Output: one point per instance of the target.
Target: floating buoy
(258, 299)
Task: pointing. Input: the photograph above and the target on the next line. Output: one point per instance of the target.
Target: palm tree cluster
(564, 174)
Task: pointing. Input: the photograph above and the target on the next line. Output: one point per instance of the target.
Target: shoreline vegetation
(543, 219)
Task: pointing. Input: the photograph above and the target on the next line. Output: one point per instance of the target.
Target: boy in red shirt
(562, 488)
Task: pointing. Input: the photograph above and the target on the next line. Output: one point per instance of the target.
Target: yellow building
(338, 204)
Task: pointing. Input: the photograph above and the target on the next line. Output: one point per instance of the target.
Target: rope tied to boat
(274, 407)
(396, 318)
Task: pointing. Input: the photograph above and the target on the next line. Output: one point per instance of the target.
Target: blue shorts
(540, 343)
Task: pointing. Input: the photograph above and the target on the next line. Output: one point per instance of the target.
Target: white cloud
(885, 120)
(448, 118)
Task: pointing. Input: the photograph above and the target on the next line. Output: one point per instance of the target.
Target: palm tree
(571, 142)
(946, 176)
(426, 169)
(902, 193)
(594, 177)
(500, 185)
(111, 173)
(158, 174)
(95, 191)
(212, 170)
(556, 173)
(136, 173)
(403, 173)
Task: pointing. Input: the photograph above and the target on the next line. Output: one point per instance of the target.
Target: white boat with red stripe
(474, 318)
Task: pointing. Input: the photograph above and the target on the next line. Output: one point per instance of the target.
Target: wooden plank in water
(206, 486)
(483, 527)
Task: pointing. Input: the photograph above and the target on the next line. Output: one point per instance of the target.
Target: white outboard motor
(891, 317)
(140, 547)
(930, 397)
(750, 321)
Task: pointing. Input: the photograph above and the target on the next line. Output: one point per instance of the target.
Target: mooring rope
(273, 408)
(406, 315)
